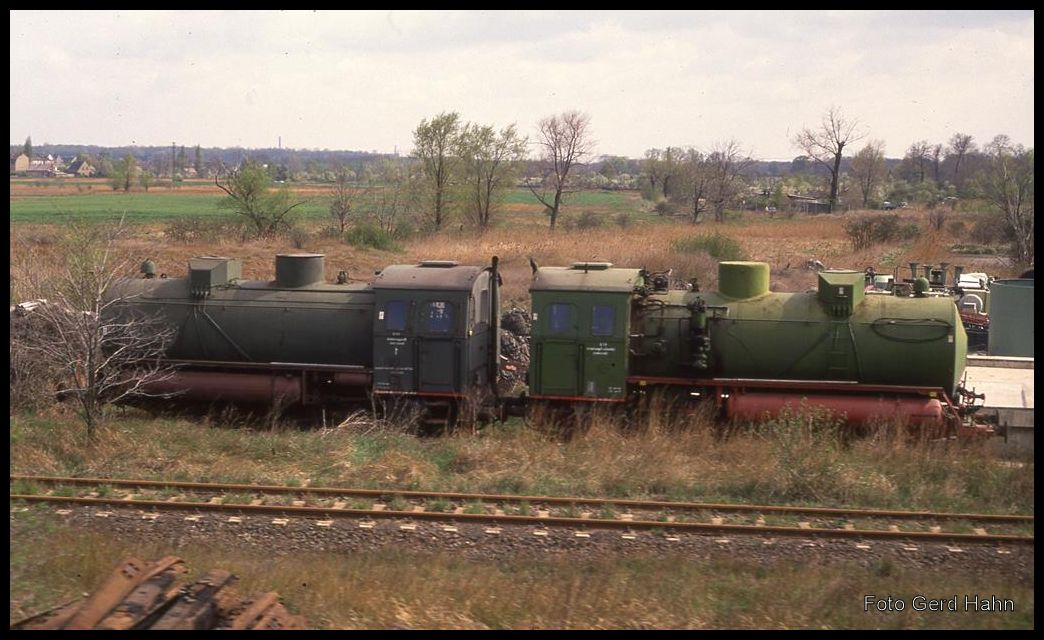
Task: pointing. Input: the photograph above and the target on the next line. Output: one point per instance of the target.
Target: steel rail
(557, 500)
(583, 523)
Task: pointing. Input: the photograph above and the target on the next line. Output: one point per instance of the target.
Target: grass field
(46, 202)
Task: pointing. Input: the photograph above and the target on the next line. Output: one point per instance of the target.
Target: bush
(665, 208)
(588, 220)
(367, 234)
(622, 220)
(990, 229)
(718, 246)
(865, 231)
(299, 237)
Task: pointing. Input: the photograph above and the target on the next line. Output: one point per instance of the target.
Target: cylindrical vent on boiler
(299, 269)
(743, 280)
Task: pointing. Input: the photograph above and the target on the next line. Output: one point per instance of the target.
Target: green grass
(159, 206)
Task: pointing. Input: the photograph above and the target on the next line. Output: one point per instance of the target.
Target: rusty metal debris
(140, 595)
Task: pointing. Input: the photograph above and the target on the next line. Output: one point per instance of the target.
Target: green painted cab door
(559, 368)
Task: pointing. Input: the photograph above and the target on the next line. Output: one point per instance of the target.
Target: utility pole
(173, 155)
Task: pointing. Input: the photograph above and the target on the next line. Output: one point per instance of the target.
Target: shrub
(588, 220)
(299, 237)
(989, 229)
(665, 208)
(719, 246)
(865, 231)
(367, 234)
(622, 220)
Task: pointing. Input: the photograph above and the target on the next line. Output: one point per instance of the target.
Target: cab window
(602, 318)
(439, 317)
(395, 315)
(559, 318)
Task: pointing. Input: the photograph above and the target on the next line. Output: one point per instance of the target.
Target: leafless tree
(103, 350)
(960, 145)
(726, 163)
(1007, 184)
(393, 194)
(918, 156)
(935, 154)
(563, 140)
(344, 197)
(868, 168)
(696, 178)
(827, 144)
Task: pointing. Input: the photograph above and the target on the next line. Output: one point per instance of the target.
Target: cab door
(438, 346)
(559, 352)
(393, 349)
(605, 352)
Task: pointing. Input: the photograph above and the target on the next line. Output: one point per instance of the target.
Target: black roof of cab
(428, 274)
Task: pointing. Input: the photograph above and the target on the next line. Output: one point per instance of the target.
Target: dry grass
(686, 459)
(784, 244)
(392, 589)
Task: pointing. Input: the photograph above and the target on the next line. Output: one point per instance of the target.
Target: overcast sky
(364, 80)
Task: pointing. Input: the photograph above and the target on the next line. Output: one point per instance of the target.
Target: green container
(1011, 318)
(835, 334)
(742, 280)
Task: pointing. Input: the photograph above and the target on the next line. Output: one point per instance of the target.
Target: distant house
(808, 204)
(81, 168)
(21, 164)
(47, 168)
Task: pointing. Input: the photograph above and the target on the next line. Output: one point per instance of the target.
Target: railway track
(577, 513)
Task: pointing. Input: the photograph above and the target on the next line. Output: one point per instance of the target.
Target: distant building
(81, 168)
(42, 168)
(808, 204)
(21, 164)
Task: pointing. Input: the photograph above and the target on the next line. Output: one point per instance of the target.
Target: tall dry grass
(786, 244)
(682, 458)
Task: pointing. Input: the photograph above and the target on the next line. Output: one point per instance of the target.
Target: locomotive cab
(581, 323)
(435, 329)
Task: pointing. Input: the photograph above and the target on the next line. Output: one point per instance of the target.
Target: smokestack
(913, 270)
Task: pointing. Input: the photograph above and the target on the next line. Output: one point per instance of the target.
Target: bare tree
(344, 196)
(827, 145)
(726, 163)
(433, 144)
(249, 195)
(393, 194)
(103, 350)
(696, 179)
(563, 140)
(489, 163)
(1007, 184)
(917, 158)
(960, 145)
(868, 168)
(935, 153)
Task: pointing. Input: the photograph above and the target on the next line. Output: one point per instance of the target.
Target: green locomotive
(429, 334)
(605, 335)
